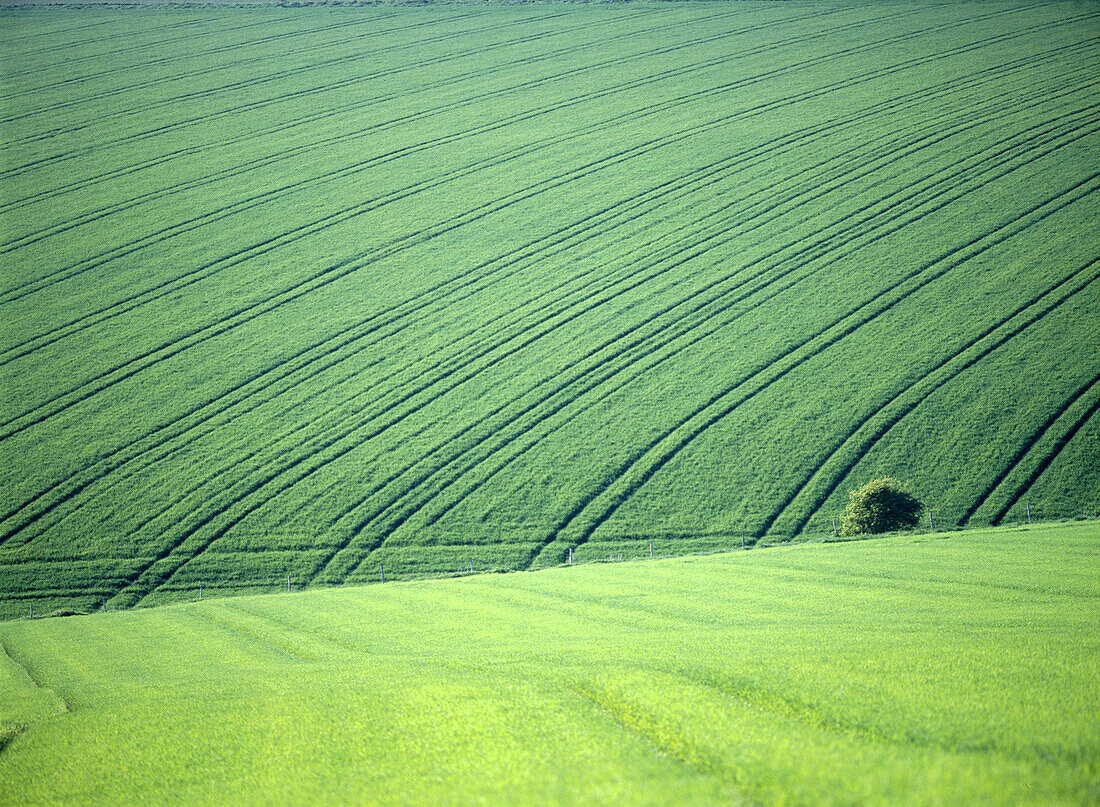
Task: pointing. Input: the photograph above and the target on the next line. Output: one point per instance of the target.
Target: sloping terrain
(923, 670)
(308, 292)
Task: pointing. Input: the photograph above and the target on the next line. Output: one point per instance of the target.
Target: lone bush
(881, 505)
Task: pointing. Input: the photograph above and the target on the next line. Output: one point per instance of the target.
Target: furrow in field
(70, 62)
(438, 109)
(248, 390)
(341, 84)
(342, 268)
(1046, 461)
(239, 631)
(646, 347)
(531, 441)
(1027, 449)
(822, 480)
(653, 144)
(492, 428)
(68, 46)
(93, 262)
(40, 32)
(323, 114)
(35, 678)
(208, 52)
(577, 526)
(236, 171)
(164, 434)
(344, 62)
(251, 105)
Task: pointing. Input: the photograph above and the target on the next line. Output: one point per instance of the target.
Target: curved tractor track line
(418, 304)
(62, 274)
(913, 97)
(645, 350)
(907, 399)
(263, 162)
(189, 57)
(10, 43)
(97, 40)
(781, 102)
(209, 93)
(438, 294)
(313, 118)
(501, 466)
(335, 271)
(249, 106)
(286, 437)
(22, 290)
(17, 292)
(597, 508)
(253, 486)
(69, 62)
(295, 94)
(1027, 448)
(1045, 463)
(527, 84)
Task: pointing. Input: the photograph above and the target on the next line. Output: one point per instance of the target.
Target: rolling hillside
(901, 671)
(308, 292)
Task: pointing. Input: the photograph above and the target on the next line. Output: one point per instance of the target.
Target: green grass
(307, 291)
(946, 669)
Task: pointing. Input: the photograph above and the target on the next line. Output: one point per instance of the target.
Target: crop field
(910, 670)
(321, 292)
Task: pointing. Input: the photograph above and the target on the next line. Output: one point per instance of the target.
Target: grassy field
(911, 670)
(311, 291)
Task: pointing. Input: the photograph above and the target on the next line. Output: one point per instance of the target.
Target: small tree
(881, 505)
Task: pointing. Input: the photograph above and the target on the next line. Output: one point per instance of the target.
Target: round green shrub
(881, 505)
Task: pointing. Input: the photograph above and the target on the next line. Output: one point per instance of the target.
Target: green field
(959, 669)
(310, 292)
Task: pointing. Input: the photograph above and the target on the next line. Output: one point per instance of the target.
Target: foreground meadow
(307, 291)
(909, 670)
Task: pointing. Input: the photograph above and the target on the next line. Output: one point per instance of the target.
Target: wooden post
(1028, 505)
(382, 569)
(834, 527)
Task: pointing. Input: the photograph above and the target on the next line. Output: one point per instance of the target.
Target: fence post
(651, 549)
(382, 569)
(570, 556)
(742, 539)
(471, 565)
(1028, 505)
(288, 584)
(931, 524)
(834, 527)
(200, 591)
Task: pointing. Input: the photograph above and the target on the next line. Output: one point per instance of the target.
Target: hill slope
(901, 671)
(309, 291)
